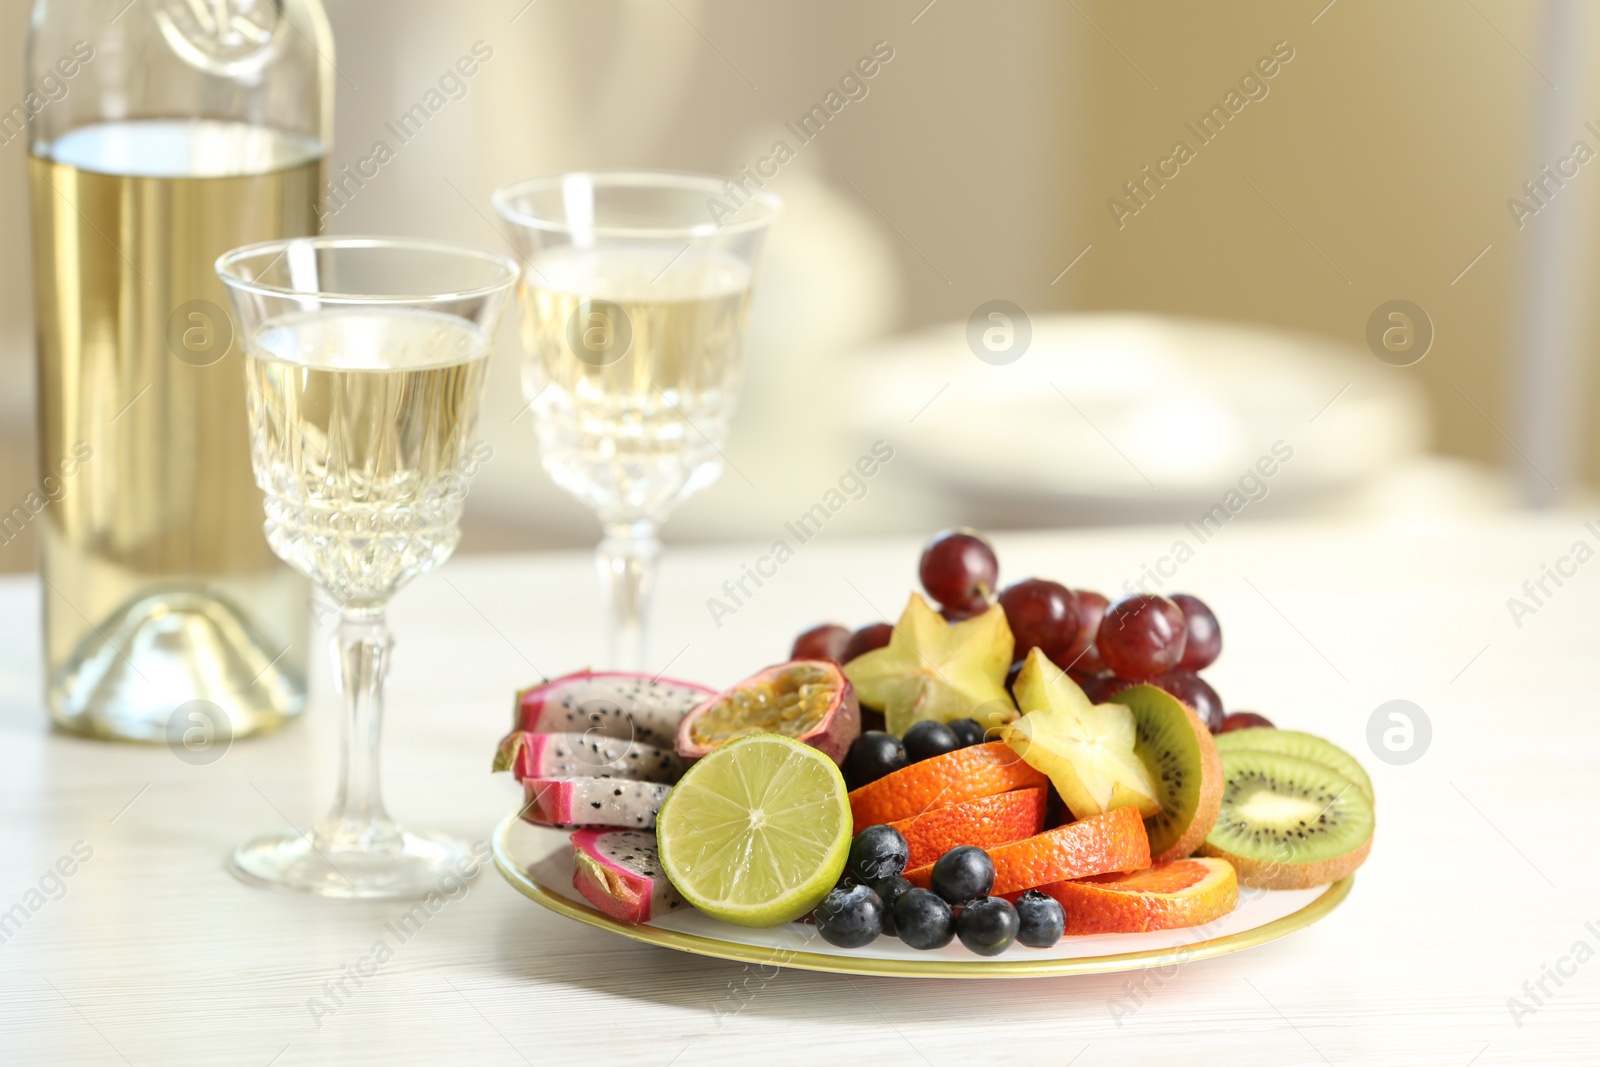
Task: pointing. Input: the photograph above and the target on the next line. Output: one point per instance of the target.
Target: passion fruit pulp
(809, 700)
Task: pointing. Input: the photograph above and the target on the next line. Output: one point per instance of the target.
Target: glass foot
(379, 862)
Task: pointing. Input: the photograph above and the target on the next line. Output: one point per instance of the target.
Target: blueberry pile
(875, 753)
(874, 898)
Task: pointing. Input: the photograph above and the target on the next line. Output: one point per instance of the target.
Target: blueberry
(967, 731)
(871, 756)
(923, 920)
(927, 739)
(850, 918)
(889, 928)
(889, 890)
(988, 926)
(878, 852)
(964, 873)
(1040, 920)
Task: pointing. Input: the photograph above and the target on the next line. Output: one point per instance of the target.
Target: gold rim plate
(842, 963)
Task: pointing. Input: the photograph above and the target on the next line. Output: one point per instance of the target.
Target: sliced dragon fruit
(585, 756)
(634, 707)
(570, 802)
(617, 871)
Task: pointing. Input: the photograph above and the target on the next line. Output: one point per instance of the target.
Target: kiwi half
(1177, 748)
(1289, 823)
(1299, 745)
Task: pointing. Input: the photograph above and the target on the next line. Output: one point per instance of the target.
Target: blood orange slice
(995, 820)
(965, 774)
(1100, 844)
(1187, 892)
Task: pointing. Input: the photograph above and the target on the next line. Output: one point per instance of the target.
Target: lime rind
(757, 832)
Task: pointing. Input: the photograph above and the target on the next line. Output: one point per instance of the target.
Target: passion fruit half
(809, 700)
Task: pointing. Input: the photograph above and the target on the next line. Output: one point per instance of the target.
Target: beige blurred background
(979, 166)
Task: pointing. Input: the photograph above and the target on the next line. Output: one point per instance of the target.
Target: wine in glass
(365, 360)
(634, 291)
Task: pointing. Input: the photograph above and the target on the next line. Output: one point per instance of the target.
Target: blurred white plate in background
(1116, 417)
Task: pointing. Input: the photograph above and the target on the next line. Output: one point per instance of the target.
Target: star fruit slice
(933, 669)
(1085, 749)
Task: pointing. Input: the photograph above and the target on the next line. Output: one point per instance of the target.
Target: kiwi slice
(1289, 823)
(1299, 745)
(1177, 749)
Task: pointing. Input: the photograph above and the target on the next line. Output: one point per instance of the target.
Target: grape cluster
(838, 643)
(1105, 646)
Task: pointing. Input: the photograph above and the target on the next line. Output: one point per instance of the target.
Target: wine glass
(365, 360)
(634, 292)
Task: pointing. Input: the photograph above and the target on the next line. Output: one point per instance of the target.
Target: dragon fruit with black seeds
(527, 755)
(633, 707)
(617, 871)
(572, 802)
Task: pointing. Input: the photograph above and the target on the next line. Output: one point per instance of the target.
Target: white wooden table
(1483, 875)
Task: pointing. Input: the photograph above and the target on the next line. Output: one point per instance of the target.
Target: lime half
(757, 832)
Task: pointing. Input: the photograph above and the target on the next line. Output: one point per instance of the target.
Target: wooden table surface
(1480, 889)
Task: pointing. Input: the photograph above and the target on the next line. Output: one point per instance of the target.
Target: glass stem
(361, 650)
(627, 562)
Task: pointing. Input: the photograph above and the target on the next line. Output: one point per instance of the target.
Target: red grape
(1204, 642)
(963, 614)
(1089, 660)
(869, 637)
(1141, 636)
(958, 569)
(1099, 686)
(1187, 686)
(1196, 692)
(1243, 720)
(821, 642)
(1041, 614)
(1081, 655)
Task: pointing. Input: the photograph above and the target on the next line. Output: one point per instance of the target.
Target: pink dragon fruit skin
(569, 802)
(564, 755)
(617, 871)
(634, 707)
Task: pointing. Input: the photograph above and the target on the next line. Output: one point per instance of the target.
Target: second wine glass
(635, 287)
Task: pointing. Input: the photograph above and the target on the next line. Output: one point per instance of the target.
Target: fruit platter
(1028, 780)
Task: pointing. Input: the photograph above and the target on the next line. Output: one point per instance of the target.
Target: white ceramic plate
(538, 863)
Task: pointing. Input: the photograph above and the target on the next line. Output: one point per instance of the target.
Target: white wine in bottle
(160, 588)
